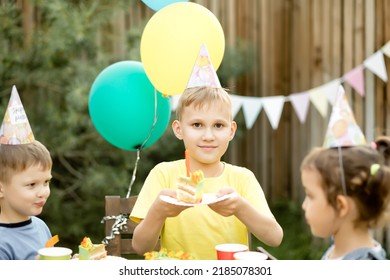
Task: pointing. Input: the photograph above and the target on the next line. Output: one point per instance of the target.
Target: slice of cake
(190, 189)
(90, 251)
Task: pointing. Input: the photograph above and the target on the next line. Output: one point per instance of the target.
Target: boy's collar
(16, 225)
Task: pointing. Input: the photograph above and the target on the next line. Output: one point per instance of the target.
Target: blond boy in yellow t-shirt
(204, 123)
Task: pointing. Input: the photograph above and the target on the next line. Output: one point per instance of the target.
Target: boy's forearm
(265, 228)
(270, 232)
(147, 233)
(144, 239)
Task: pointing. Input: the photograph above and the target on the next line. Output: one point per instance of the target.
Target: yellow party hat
(15, 129)
(203, 72)
(343, 130)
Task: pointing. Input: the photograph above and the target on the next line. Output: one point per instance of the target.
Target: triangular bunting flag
(386, 49)
(342, 128)
(174, 101)
(330, 89)
(251, 107)
(236, 104)
(273, 107)
(376, 64)
(15, 129)
(300, 102)
(318, 96)
(355, 78)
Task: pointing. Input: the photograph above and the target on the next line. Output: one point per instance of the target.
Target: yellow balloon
(171, 41)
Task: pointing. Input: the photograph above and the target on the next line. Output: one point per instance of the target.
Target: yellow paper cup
(55, 253)
(250, 255)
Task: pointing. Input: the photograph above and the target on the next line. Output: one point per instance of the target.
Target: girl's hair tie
(374, 169)
(373, 145)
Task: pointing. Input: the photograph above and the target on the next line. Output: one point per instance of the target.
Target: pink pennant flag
(300, 102)
(355, 78)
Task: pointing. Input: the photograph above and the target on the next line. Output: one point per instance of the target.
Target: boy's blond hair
(201, 96)
(17, 158)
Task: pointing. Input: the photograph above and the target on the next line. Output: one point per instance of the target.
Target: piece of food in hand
(90, 251)
(52, 241)
(190, 189)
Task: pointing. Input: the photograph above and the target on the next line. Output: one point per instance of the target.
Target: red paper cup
(226, 251)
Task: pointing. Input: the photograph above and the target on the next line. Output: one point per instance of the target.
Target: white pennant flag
(273, 107)
(174, 100)
(330, 89)
(376, 64)
(300, 102)
(251, 107)
(236, 104)
(386, 49)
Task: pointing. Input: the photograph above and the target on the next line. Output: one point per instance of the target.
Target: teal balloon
(123, 106)
(157, 5)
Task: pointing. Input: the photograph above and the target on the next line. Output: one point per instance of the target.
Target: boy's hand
(168, 209)
(229, 206)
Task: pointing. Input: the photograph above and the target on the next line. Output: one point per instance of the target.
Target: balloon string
(143, 144)
(154, 120)
(134, 172)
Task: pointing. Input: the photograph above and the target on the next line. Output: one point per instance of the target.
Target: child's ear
(233, 130)
(177, 129)
(343, 206)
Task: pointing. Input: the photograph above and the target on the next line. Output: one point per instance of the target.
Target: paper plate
(208, 198)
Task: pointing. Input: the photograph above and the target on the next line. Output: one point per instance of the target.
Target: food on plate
(190, 189)
(90, 251)
(164, 254)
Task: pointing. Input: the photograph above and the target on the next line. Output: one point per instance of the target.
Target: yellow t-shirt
(199, 229)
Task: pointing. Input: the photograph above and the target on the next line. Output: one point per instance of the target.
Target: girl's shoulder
(375, 253)
(365, 253)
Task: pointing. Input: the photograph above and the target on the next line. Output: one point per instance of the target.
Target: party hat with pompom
(15, 129)
(203, 72)
(343, 130)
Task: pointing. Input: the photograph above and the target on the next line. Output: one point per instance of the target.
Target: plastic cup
(55, 253)
(250, 255)
(226, 251)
